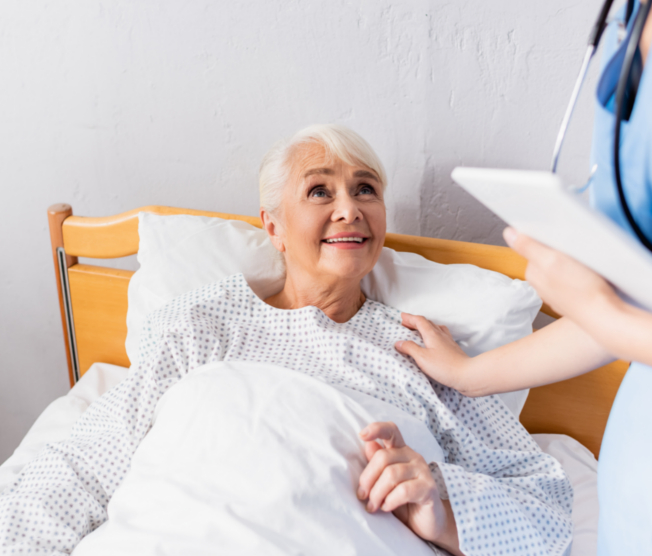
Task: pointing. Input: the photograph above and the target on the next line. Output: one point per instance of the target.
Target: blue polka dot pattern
(508, 497)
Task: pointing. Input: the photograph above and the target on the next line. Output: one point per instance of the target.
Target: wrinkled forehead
(313, 158)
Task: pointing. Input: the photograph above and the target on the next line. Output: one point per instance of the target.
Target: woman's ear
(271, 226)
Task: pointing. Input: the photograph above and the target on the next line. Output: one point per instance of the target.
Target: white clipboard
(538, 205)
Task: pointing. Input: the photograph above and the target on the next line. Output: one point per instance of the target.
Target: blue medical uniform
(625, 466)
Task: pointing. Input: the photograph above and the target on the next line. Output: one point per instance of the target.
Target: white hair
(339, 141)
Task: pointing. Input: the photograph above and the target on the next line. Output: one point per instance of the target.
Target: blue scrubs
(625, 466)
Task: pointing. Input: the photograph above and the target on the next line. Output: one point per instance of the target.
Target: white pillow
(179, 253)
(483, 309)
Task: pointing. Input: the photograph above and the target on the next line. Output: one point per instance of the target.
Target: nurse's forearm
(557, 352)
(622, 329)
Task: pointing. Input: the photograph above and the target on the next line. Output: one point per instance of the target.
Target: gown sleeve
(63, 494)
(508, 497)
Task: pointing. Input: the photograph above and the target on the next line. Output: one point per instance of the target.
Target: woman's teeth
(356, 239)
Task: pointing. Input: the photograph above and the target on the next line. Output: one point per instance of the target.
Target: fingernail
(364, 431)
(361, 494)
(510, 235)
(370, 508)
(399, 345)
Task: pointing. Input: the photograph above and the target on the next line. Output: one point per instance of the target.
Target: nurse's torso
(625, 467)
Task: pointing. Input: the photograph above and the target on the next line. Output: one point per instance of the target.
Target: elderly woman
(322, 206)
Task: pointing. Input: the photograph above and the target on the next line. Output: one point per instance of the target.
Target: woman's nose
(346, 209)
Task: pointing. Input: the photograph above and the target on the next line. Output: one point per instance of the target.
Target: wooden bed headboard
(93, 302)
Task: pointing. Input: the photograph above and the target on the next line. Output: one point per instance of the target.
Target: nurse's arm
(584, 297)
(624, 330)
(557, 352)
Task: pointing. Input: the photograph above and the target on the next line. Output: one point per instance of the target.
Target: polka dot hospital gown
(508, 497)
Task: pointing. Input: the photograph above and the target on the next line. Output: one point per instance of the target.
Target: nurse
(597, 326)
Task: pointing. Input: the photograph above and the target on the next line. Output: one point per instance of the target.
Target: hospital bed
(93, 304)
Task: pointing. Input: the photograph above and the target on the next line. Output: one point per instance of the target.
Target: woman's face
(331, 223)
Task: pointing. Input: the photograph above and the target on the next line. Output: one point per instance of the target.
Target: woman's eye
(367, 190)
(318, 191)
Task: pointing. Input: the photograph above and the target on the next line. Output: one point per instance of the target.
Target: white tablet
(537, 204)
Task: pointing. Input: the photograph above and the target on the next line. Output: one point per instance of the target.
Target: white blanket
(256, 459)
(57, 420)
(493, 474)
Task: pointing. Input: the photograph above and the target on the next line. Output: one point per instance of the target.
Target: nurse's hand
(441, 358)
(397, 479)
(587, 299)
(569, 287)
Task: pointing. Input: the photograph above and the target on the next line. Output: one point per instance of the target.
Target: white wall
(110, 105)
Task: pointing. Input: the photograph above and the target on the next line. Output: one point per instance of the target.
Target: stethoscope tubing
(621, 90)
(619, 113)
(594, 40)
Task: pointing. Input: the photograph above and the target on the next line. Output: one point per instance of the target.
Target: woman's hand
(442, 359)
(398, 480)
(568, 286)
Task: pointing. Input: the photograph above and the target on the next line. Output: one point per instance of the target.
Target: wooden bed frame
(93, 302)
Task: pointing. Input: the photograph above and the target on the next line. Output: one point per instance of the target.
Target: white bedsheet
(55, 422)
(57, 419)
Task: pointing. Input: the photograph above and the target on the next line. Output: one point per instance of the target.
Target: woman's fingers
(389, 480)
(398, 480)
(414, 491)
(386, 431)
(370, 448)
(380, 458)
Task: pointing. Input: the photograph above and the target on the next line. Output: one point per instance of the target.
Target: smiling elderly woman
(493, 492)
(323, 208)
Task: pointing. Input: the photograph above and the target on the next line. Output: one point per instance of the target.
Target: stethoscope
(625, 94)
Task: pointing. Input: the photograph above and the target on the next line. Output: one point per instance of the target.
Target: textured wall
(109, 105)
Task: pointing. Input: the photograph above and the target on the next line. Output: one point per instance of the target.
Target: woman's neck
(338, 299)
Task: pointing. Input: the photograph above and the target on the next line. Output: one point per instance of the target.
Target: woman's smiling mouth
(349, 239)
(346, 240)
